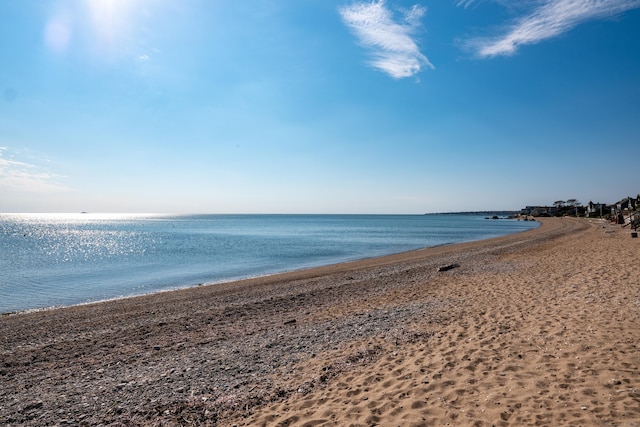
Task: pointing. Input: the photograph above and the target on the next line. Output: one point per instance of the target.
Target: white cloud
(25, 177)
(391, 43)
(465, 3)
(549, 19)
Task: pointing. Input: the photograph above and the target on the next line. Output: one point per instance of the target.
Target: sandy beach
(537, 328)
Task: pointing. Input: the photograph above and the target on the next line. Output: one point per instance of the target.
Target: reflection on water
(51, 260)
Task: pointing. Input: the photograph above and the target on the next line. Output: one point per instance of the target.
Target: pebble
(239, 327)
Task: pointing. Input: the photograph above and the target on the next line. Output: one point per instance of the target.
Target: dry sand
(538, 328)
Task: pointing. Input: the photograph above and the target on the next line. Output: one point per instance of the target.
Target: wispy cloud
(465, 3)
(548, 19)
(391, 42)
(25, 177)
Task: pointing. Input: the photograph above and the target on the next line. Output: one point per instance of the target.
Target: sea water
(52, 260)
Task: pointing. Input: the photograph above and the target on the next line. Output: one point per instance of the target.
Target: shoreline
(240, 279)
(387, 341)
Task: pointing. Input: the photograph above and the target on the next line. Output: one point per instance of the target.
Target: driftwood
(448, 267)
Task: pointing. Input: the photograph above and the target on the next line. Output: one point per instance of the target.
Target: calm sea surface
(49, 260)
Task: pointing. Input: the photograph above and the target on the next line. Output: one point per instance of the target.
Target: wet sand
(538, 328)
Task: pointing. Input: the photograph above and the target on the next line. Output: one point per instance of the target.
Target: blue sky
(318, 106)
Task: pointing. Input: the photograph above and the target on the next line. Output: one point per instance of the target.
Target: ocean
(54, 260)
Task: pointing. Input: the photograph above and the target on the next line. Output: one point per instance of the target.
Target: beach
(535, 328)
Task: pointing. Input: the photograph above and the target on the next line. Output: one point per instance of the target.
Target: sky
(317, 106)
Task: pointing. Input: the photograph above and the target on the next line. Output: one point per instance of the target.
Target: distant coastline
(491, 213)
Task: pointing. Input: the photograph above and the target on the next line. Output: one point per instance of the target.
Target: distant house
(539, 211)
(597, 209)
(627, 205)
(625, 210)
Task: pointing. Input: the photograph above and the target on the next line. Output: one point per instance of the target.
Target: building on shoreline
(598, 210)
(626, 211)
(539, 211)
(620, 211)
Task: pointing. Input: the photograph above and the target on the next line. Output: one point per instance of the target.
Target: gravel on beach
(214, 354)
